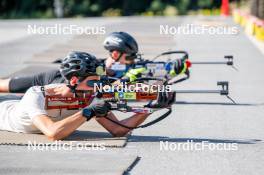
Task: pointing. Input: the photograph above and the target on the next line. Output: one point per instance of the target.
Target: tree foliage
(83, 8)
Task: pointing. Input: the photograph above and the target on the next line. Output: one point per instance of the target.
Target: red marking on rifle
(146, 96)
(55, 102)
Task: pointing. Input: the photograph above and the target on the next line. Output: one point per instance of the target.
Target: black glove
(99, 108)
(164, 99)
(179, 66)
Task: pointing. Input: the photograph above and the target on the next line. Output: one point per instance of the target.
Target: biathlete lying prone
(123, 50)
(30, 114)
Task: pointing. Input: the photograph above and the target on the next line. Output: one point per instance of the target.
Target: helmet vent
(66, 66)
(77, 67)
(76, 61)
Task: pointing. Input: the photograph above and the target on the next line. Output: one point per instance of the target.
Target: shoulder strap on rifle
(163, 116)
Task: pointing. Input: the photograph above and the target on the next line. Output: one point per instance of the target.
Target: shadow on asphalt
(136, 138)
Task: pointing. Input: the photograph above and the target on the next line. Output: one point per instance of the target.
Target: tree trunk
(261, 9)
(254, 7)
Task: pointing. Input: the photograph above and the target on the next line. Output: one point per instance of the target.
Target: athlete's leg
(21, 84)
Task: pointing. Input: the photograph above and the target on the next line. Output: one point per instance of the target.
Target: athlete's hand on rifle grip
(164, 99)
(99, 108)
(179, 66)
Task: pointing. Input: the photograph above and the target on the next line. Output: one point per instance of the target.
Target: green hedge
(84, 8)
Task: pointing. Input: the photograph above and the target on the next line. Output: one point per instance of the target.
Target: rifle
(161, 69)
(155, 70)
(120, 101)
(185, 56)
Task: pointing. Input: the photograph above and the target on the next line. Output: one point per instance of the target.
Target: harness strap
(42, 88)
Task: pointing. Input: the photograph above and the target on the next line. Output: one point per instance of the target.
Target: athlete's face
(85, 86)
(119, 57)
(65, 91)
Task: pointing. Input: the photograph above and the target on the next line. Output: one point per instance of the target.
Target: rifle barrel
(209, 62)
(198, 91)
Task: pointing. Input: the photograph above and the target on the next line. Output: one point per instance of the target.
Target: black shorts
(22, 84)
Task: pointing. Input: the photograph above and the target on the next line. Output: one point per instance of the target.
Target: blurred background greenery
(84, 8)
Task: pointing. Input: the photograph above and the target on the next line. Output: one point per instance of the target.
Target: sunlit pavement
(195, 118)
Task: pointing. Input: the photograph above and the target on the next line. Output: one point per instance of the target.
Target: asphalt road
(199, 119)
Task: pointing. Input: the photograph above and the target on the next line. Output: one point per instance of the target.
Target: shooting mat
(89, 134)
(93, 44)
(33, 70)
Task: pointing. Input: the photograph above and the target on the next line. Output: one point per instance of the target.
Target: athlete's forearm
(117, 130)
(60, 129)
(65, 127)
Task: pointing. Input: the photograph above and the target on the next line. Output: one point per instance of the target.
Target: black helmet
(80, 64)
(122, 42)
